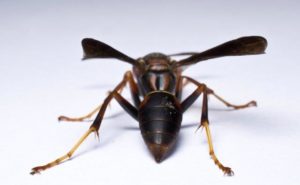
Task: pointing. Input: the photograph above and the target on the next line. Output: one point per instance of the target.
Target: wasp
(156, 84)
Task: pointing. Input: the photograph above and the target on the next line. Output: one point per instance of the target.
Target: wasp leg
(57, 161)
(134, 93)
(210, 91)
(201, 88)
(95, 126)
(81, 118)
(192, 98)
(204, 123)
(246, 105)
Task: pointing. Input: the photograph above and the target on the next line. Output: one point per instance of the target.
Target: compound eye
(141, 61)
(141, 66)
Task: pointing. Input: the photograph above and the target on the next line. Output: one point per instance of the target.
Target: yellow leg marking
(89, 115)
(38, 169)
(249, 104)
(226, 170)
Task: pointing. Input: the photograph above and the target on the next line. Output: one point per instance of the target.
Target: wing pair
(242, 46)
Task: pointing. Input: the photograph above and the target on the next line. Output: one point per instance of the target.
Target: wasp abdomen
(160, 119)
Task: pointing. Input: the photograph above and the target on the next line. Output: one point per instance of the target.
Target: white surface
(42, 77)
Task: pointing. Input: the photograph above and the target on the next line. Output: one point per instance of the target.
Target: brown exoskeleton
(156, 84)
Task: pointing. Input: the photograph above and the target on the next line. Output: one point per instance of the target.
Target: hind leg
(202, 89)
(94, 127)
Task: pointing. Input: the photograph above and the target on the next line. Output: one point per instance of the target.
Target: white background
(43, 77)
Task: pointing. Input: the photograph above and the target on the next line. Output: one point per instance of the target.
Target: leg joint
(127, 75)
(69, 154)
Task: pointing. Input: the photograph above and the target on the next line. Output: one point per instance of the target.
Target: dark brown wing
(95, 49)
(251, 45)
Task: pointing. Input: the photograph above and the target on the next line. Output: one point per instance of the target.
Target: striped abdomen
(160, 119)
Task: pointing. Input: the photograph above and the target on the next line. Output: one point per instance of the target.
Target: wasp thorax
(157, 61)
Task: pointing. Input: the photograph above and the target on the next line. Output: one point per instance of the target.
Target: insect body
(156, 83)
(160, 119)
(160, 113)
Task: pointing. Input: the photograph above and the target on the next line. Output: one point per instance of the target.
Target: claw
(227, 171)
(252, 103)
(62, 118)
(37, 170)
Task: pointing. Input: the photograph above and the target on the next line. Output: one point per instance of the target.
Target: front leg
(128, 77)
(211, 92)
(81, 118)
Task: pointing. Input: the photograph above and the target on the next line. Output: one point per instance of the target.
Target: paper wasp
(156, 83)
